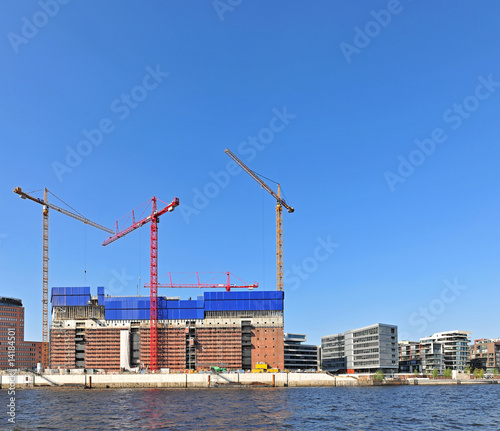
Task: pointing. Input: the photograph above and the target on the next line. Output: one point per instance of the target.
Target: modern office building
(363, 350)
(232, 330)
(409, 357)
(485, 354)
(333, 353)
(23, 354)
(299, 356)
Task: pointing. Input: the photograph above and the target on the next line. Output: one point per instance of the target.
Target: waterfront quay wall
(28, 380)
(173, 380)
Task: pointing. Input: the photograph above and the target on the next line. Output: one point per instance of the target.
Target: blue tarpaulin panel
(188, 304)
(70, 291)
(126, 303)
(137, 308)
(59, 300)
(70, 300)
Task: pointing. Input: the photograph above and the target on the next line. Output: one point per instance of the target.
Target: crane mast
(279, 242)
(45, 285)
(153, 304)
(280, 202)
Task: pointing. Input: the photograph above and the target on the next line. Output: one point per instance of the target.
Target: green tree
(435, 373)
(481, 373)
(379, 375)
(495, 372)
(415, 373)
(467, 369)
(477, 373)
(447, 373)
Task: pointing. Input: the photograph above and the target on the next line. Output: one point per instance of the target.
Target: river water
(334, 408)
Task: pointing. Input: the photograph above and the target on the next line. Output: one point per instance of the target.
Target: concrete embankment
(174, 380)
(209, 380)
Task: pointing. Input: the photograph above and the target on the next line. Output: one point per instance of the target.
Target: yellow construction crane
(279, 219)
(46, 206)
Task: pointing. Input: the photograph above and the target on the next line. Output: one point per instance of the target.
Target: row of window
(357, 352)
(365, 339)
(364, 357)
(365, 345)
(357, 364)
(11, 309)
(366, 332)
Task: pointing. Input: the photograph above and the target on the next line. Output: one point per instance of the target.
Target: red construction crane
(153, 218)
(45, 285)
(213, 284)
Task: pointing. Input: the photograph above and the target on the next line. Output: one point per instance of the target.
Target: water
(352, 408)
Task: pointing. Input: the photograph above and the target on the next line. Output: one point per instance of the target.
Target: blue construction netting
(227, 296)
(126, 314)
(138, 308)
(163, 314)
(244, 301)
(70, 300)
(70, 291)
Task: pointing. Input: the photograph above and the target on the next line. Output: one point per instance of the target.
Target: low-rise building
(409, 357)
(432, 356)
(21, 354)
(363, 350)
(299, 356)
(439, 351)
(485, 353)
(333, 356)
(455, 348)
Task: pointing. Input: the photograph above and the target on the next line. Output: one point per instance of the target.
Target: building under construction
(232, 330)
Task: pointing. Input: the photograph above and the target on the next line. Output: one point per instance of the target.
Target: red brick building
(485, 353)
(232, 331)
(24, 354)
(195, 345)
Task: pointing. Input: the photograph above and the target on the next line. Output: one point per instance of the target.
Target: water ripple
(364, 408)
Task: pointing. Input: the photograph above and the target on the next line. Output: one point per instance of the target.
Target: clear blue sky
(338, 101)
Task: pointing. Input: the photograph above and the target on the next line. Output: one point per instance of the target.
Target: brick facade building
(232, 330)
(26, 354)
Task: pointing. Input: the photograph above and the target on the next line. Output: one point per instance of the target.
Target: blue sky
(379, 119)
